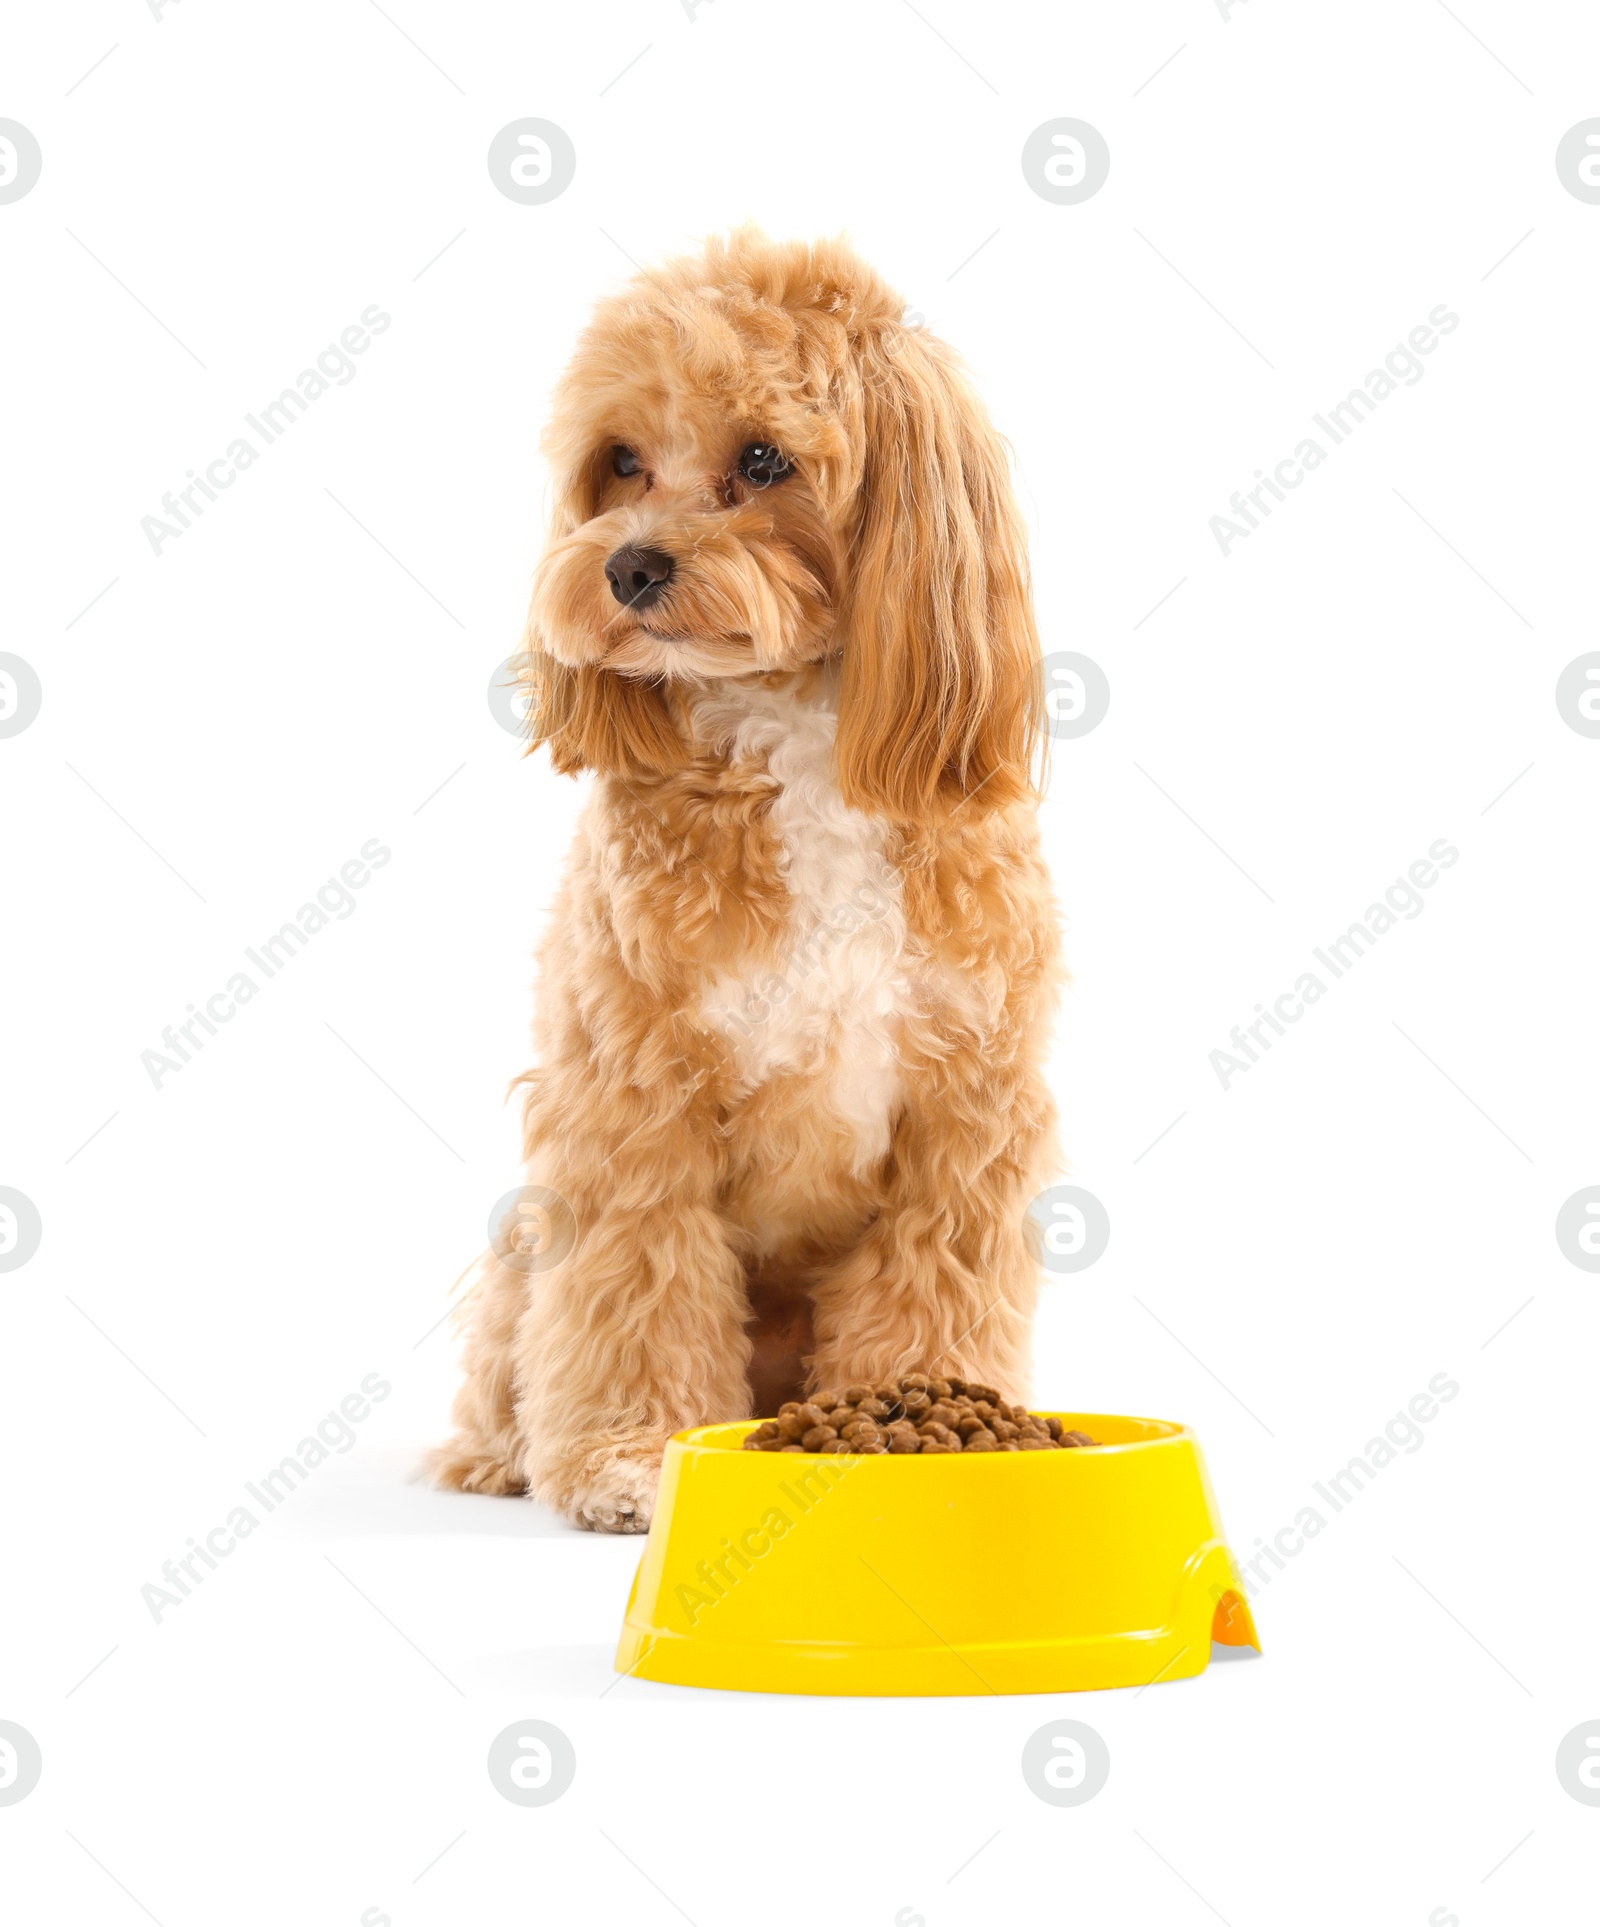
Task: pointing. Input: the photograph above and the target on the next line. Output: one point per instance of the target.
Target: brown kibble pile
(917, 1413)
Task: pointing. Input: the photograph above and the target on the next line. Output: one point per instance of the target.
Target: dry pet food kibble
(917, 1413)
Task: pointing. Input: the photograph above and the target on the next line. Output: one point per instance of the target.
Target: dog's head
(758, 467)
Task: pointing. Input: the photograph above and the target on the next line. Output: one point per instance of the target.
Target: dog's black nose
(639, 577)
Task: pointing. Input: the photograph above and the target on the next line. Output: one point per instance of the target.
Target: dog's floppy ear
(939, 697)
(592, 718)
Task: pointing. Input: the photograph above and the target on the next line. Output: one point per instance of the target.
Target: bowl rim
(1173, 1432)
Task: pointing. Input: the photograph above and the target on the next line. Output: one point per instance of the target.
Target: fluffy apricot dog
(788, 1112)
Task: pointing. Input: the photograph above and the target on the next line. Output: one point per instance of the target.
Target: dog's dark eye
(761, 464)
(624, 461)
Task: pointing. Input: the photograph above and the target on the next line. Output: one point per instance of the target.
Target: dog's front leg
(640, 1330)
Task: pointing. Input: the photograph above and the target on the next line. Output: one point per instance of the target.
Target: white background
(1291, 728)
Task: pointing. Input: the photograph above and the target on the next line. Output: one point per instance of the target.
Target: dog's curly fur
(794, 998)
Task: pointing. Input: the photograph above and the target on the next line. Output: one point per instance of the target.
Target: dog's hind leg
(485, 1455)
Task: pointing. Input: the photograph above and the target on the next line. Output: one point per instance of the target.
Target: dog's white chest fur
(832, 1004)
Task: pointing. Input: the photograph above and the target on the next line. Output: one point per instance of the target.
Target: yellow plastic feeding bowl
(1006, 1572)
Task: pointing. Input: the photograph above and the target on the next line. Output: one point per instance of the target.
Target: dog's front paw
(621, 1499)
(613, 1490)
